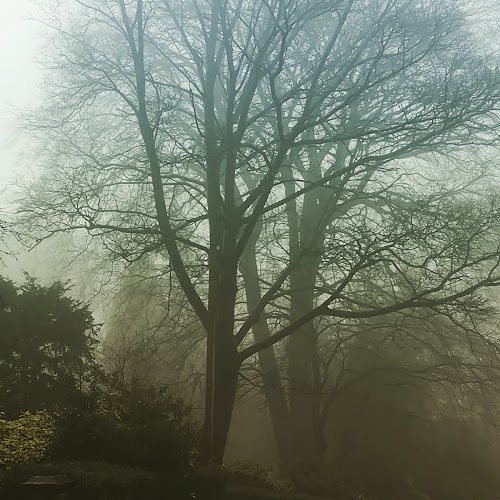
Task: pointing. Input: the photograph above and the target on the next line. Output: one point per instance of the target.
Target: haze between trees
(294, 167)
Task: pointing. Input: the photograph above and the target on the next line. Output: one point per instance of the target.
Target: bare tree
(196, 130)
(152, 335)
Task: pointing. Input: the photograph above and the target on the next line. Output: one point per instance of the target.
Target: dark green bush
(139, 427)
(48, 343)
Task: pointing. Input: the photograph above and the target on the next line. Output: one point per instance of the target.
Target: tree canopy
(47, 346)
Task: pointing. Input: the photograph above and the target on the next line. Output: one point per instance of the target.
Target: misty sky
(19, 87)
(19, 77)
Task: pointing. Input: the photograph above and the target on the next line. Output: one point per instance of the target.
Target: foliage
(92, 474)
(260, 475)
(47, 347)
(102, 480)
(240, 480)
(321, 482)
(26, 439)
(113, 482)
(128, 425)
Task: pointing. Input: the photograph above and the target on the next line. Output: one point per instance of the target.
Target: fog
(19, 86)
(251, 249)
(19, 89)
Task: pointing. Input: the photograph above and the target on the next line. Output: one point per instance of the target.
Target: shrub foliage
(26, 439)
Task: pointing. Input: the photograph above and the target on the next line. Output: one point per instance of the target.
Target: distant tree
(4, 249)
(411, 410)
(47, 346)
(150, 333)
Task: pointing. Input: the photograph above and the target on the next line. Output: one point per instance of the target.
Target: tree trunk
(306, 243)
(226, 367)
(275, 395)
(319, 423)
(302, 350)
(273, 389)
(306, 239)
(306, 246)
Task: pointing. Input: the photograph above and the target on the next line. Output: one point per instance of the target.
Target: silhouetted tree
(47, 347)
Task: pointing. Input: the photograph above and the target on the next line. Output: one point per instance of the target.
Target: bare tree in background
(151, 335)
(265, 151)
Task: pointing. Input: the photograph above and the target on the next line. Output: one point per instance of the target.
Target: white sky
(19, 88)
(19, 78)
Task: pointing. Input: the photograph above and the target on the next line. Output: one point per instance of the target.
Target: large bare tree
(266, 152)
